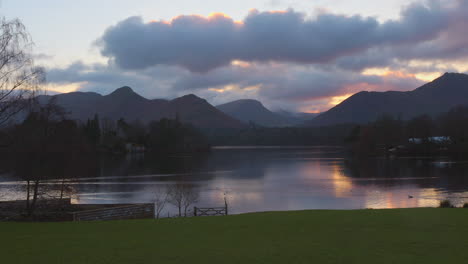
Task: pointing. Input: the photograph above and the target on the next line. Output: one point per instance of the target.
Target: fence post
(195, 211)
(225, 204)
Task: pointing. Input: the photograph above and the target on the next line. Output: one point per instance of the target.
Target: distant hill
(248, 110)
(433, 98)
(125, 103)
(298, 117)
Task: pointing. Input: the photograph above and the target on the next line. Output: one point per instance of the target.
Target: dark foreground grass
(363, 236)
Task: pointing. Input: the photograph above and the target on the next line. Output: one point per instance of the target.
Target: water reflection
(264, 179)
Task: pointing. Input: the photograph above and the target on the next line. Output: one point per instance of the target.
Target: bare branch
(19, 78)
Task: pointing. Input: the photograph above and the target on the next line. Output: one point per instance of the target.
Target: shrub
(445, 204)
(465, 205)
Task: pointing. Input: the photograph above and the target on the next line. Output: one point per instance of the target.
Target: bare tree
(190, 197)
(176, 197)
(160, 200)
(182, 196)
(47, 146)
(35, 158)
(19, 78)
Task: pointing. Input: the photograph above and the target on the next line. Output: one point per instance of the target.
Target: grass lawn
(362, 236)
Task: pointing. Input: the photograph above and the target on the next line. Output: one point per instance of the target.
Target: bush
(445, 204)
(465, 205)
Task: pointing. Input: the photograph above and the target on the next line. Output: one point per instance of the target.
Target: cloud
(201, 44)
(104, 78)
(284, 59)
(42, 56)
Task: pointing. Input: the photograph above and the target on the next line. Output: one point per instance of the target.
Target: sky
(291, 55)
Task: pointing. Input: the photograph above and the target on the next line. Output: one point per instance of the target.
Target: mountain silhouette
(126, 103)
(248, 110)
(433, 98)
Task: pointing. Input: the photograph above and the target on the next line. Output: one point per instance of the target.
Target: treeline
(446, 134)
(163, 136)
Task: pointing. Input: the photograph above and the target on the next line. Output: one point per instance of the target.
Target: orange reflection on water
(342, 184)
(401, 198)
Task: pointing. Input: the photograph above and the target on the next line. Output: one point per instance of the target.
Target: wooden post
(195, 211)
(225, 204)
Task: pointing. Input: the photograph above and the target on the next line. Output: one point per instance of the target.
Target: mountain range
(433, 98)
(125, 103)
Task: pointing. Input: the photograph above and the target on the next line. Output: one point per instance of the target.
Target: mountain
(127, 104)
(298, 117)
(433, 98)
(248, 110)
(197, 111)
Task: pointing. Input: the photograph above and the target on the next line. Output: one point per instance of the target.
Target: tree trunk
(62, 188)
(35, 193)
(28, 186)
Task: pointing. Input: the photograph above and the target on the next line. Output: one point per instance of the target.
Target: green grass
(362, 236)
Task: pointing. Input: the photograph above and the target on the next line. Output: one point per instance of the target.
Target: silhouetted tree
(420, 127)
(19, 78)
(389, 131)
(93, 130)
(169, 135)
(46, 146)
(454, 124)
(110, 140)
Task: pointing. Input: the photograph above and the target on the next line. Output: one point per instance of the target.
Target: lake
(275, 179)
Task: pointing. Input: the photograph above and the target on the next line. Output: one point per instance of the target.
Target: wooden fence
(210, 211)
(138, 211)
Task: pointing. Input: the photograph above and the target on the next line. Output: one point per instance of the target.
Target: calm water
(265, 179)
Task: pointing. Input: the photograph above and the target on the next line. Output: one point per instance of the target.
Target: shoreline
(62, 211)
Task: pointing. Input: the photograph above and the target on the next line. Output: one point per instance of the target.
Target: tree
(47, 146)
(389, 131)
(93, 131)
(168, 135)
(182, 196)
(420, 127)
(35, 153)
(110, 139)
(160, 200)
(190, 197)
(19, 78)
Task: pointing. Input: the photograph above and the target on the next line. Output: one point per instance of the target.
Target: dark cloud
(201, 43)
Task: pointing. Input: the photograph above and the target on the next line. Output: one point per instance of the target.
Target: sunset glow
(239, 63)
(64, 88)
(335, 100)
